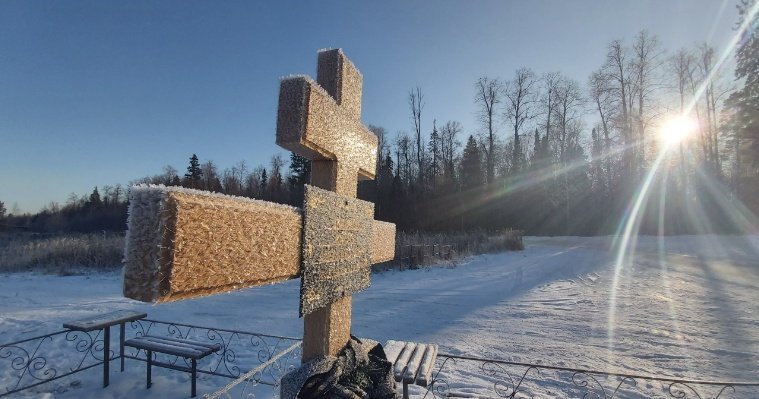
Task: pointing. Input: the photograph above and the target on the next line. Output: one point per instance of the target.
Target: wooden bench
(185, 348)
(412, 362)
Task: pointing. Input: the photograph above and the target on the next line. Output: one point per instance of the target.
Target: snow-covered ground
(682, 307)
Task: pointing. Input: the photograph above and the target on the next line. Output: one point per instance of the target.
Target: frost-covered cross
(185, 243)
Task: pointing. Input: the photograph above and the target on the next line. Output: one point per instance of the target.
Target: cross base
(335, 376)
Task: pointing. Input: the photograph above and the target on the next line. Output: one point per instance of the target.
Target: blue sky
(104, 92)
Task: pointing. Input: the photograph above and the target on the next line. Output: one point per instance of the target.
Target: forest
(550, 155)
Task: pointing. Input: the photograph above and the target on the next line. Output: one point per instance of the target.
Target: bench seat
(412, 362)
(174, 346)
(185, 348)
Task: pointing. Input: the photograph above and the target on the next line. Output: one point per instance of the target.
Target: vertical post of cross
(322, 122)
(321, 335)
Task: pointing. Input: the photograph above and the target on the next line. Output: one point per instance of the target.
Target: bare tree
(488, 96)
(549, 82)
(449, 145)
(604, 104)
(416, 104)
(520, 100)
(568, 109)
(253, 183)
(170, 176)
(617, 70)
(210, 177)
(402, 152)
(116, 194)
(240, 169)
(646, 61)
(277, 163)
(713, 92)
(681, 64)
(383, 147)
(230, 183)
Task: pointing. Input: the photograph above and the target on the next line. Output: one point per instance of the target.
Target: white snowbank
(688, 308)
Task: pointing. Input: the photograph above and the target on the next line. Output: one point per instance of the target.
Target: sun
(677, 129)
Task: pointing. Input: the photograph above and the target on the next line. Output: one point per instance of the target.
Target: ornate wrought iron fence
(266, 358)
(473, 377)
(241, 351)
(34, 361)
(284, 362)
(37, 360)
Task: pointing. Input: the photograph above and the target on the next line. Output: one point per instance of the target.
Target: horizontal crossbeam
(185, 243)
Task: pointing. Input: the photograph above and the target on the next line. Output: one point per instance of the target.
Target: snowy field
(684, 307)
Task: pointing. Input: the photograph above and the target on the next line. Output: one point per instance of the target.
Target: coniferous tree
(300, 174)
(2, 210)
(472, 180)
(95, 200)
(264, 183)
(194, 173)
(435, 158)
(471, 165)
(300, 170)
(384, 204)
(744, 103)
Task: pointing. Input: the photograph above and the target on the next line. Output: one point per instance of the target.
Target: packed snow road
(682, 307)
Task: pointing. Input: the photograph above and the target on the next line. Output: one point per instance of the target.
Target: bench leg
(121, 345)
(405, 390)
(150, 364)
(194, 375)
(106, 354)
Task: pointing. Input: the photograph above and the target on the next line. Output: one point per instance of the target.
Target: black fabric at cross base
(356, 374)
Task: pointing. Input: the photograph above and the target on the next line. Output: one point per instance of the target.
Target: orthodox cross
(184, 243)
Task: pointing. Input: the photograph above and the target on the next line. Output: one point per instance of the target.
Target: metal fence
(34, 361)
(416, 255)
(255, 360)
(241, 351)
(413, 255)
(46, 358)
(474, 377)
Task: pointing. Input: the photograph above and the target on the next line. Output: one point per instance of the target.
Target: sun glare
(677, 129)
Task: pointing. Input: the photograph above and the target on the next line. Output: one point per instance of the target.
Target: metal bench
(185, 348)
(412, 362)
(104, 322)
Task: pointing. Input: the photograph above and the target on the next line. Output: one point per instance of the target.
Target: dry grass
(80, 253)
(415, 249)
(467, 243)
(64, 254)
